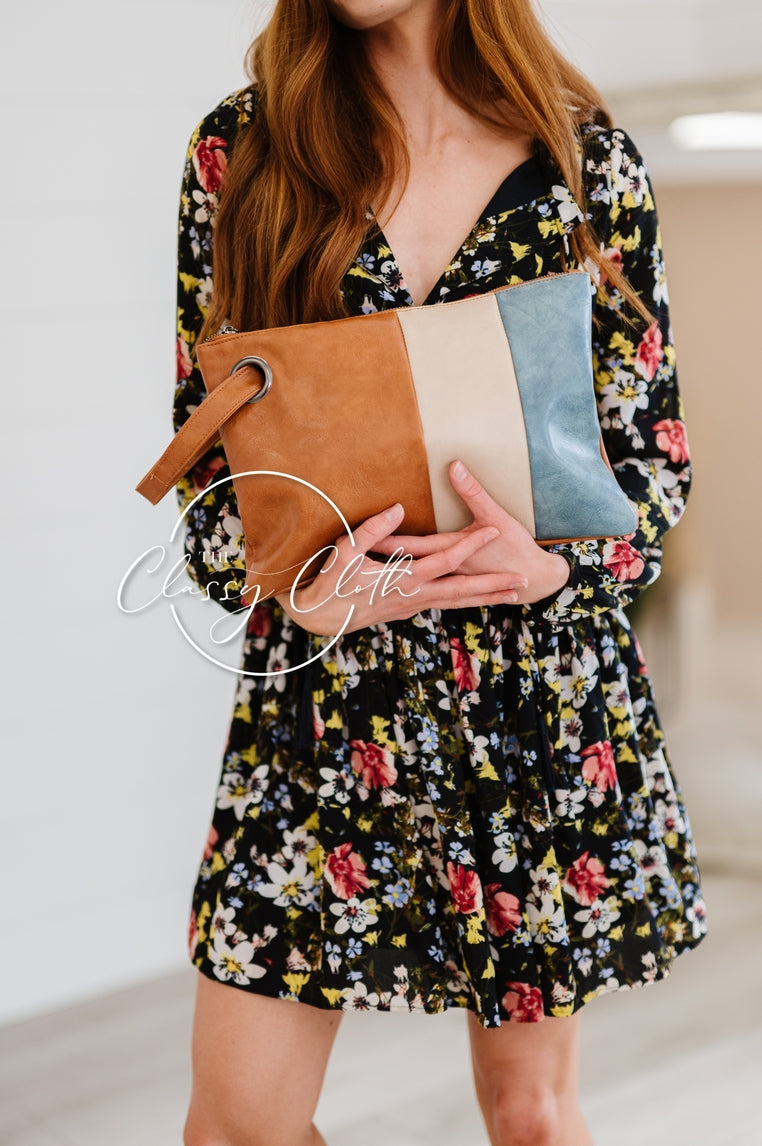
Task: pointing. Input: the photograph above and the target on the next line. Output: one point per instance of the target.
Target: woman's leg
(258, 1066)
(526, 1082)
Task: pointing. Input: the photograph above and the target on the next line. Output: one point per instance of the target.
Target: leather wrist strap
(200, 432)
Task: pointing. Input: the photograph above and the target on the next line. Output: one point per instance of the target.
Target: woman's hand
(539, 573)
(448, 575)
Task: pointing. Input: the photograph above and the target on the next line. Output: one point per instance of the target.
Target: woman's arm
(213, 535)
(641, 420)
(636, 386)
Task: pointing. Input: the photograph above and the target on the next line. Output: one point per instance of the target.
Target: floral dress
(471, 807)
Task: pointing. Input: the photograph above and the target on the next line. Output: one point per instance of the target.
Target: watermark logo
(160, 574)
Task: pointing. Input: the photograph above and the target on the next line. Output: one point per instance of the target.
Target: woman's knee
(527, 1119)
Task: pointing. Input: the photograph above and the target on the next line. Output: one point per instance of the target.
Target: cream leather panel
(469, 405)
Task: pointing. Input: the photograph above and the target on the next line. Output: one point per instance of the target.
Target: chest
(445, 197)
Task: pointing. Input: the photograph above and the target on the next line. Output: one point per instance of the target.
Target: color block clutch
(358, 413)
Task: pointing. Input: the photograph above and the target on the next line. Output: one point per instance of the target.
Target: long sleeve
(214, 537)
(639, 405)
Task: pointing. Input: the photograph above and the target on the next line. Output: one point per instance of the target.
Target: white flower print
(568, 207)
(544, 882)
(234, 963)
(627, 393)
(598, 917)
(277, 663)
(239, 794)
(289, 887)
(696, 916)
(505, 856)
(347, 676)
(204, 292)
(571, 729)
(354, 915)
(631, 182)
(223, 921)
(582, 677)
(649, 967)
(338, 785)
(206, 206)
(547, 922)
(626, 177)
(297, 843)
(356, 998)
(562, 995)
(653, 861)
(660, 291)
(570, 802)
(244, 690)
(669, 817)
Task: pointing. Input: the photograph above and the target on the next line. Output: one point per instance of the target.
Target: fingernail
(490, 535)
(394, 512)
(520, 585)
(459, 471)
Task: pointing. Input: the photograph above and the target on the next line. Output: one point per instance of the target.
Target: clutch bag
(327, 423)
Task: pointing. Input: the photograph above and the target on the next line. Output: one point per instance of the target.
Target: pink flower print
(346, 872)
(202, 475)
(599, 767)
(671, 439)
(586, 878)
(212, 838)
(374, 764)
(260, 622)
(623, 560)
(465, 666)
(523, 1003)
(650, 353)
(503, 911)
(465, 888)
(210, 162)
(184, 363)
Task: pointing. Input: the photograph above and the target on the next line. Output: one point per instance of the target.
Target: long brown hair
(327, 140)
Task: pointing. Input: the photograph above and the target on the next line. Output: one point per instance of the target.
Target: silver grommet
(260, 364)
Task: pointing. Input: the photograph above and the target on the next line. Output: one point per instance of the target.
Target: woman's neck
(402, 52)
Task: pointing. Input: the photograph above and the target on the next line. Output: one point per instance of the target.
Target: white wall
(112, 728)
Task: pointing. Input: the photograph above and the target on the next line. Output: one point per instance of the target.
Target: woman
(465, 801)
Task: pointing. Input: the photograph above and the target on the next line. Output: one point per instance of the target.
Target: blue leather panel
(548, 323)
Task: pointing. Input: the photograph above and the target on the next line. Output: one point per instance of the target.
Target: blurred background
(109, 771)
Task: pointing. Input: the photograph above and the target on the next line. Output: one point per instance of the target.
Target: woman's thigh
(258, 1066)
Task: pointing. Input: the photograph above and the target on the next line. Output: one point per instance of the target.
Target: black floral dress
(469, 808)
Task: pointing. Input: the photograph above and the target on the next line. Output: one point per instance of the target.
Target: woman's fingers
(418, 546)
(464, 591)
(483, 507)
(449, 559)
(372, 532)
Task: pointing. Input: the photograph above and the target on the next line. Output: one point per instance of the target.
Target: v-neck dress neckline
(526, 182)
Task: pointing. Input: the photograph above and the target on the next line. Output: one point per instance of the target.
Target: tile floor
(687, 1069)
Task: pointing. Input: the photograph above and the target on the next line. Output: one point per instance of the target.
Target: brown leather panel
(361, 447)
